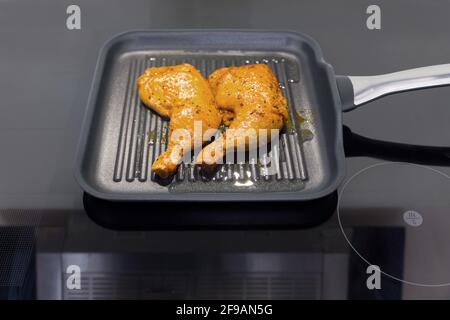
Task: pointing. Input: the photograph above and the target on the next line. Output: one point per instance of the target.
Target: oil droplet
(306, 134)
(299, 118)
(151, 137)
(247, 183)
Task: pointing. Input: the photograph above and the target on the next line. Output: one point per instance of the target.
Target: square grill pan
(121, 137)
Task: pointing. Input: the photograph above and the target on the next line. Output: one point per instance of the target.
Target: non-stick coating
(315, 94)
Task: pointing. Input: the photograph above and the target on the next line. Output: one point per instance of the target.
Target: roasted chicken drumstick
(182, 94)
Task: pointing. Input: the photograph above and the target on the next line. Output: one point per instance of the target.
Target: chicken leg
(182, 94)
(250, 100)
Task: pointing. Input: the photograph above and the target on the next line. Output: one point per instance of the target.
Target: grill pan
(121, 138)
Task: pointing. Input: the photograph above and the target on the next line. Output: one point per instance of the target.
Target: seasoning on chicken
(182, 94)
(250, 99)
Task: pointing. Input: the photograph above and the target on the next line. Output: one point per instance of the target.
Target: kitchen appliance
(121, 138)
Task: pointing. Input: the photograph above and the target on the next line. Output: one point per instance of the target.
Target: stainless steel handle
(368, 88)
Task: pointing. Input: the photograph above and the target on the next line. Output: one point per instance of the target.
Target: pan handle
(356, 91)
(356, 145)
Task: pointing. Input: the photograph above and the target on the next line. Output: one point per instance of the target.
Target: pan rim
(338, 151)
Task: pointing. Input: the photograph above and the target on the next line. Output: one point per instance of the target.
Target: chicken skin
(249, 99)
(182, 94)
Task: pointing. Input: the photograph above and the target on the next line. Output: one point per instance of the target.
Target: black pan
(121, 137)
